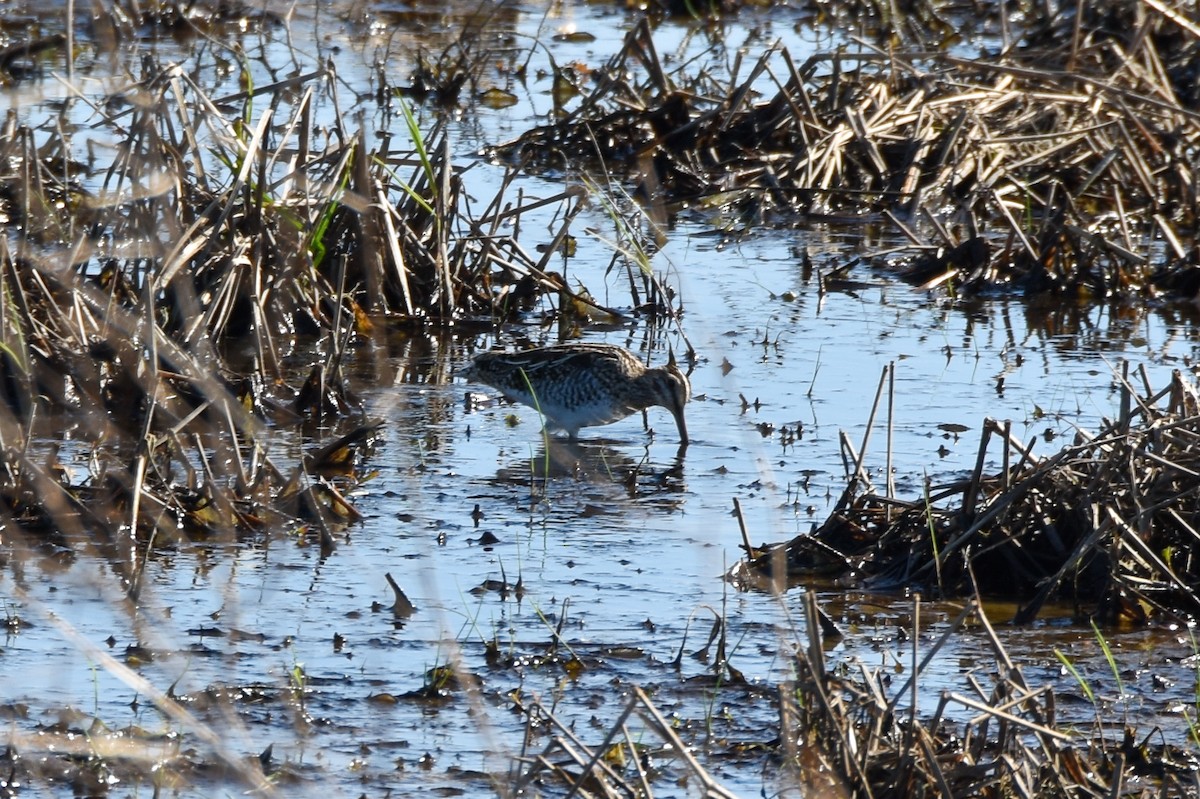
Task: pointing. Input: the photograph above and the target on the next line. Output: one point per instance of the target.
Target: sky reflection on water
(626, 540)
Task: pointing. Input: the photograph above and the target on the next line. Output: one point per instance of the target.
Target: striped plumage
(583, 385)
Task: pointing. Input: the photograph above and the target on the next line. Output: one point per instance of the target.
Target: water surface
(620, 541)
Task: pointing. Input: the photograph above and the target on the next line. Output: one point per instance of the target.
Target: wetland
(930, 269)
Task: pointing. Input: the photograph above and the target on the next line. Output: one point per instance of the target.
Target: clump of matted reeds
(1059, 164)
(866, 733)
(1109, 522)
(284, 229)
(619, 765)
(845, 732)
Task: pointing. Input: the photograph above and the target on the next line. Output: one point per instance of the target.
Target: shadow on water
(595, 462)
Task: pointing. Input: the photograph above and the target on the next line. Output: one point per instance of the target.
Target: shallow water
(620, 539)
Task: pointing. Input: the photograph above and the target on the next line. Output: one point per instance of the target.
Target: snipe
(583, 385)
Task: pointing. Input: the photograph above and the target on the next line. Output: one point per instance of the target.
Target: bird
(583, 385)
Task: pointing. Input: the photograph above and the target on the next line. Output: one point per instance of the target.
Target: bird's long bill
(681, 424)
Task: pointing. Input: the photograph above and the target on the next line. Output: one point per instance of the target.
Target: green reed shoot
(1193, 730)
(418, 139)
(298, 680)
(629, 241)
(1112, 661)
(937, 558)
(537, 406)
(316, 242)
(1079, 678)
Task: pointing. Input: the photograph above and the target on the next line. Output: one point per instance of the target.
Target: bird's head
(673, 390)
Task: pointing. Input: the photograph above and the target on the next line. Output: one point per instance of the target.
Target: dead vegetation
(205, 286)
(202, 282)
(187, 281)
(1060, 162)
(1109, 522)
(845, 732)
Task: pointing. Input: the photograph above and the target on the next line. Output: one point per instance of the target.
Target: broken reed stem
(598, 752)
(814, 664)
(955, 628)
(858, 463)
(916, 648)
(891, 420)
(636, 758)
(971, 496)
(988, 711)
(1007, 465)
(737, 510)
(594, 769)
(855, 473)
(444, 197)
(667, 732)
